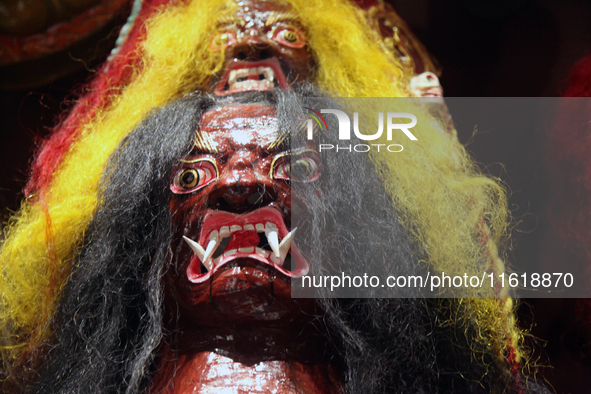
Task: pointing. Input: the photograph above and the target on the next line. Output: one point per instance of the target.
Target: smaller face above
(264, 46)
(231, 206)
(426, 85)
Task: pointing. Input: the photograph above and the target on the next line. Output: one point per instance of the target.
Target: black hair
(109, 324)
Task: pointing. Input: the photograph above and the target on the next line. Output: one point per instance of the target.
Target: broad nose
(254, 45)
(242, 186)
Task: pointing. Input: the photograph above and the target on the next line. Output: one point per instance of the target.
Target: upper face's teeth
(260, 227)
(232, 77)
(242, 73)
(268, 73)
(251, 78)
(235, 227)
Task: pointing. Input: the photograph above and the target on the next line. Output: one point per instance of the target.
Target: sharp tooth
(199, 251)
(248, 227)
(269, 74)
(224, 232)
(211, 247)
(273, 238)
(250, 249)
(284, 248)
(232, 78)
(260, 227)
(235, 227)
(286, 243)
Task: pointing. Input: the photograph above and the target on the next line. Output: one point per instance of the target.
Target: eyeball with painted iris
(302, 167)
(190, 177)
(222, 40)
(289, 37)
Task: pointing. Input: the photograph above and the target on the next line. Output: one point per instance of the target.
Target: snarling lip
(435, 91)
(258, 235)
(243, 76)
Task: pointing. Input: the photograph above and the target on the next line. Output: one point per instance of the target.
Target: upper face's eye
(302, 167)
(222, 40)
(189, 177)
(289, 37)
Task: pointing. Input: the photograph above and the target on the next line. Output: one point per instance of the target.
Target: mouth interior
(250, 78)
(246, 75)
(246, 242)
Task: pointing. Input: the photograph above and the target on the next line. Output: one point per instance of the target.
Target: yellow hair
(441, 201)
(456, 214)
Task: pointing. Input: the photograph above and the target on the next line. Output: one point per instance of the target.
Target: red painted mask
(231, 205)
(264, 45)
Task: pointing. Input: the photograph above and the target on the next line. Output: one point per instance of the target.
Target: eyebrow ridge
(203, 144)
(277, 16)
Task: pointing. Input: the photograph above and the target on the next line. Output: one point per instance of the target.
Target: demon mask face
(264, 46)
(231, 203)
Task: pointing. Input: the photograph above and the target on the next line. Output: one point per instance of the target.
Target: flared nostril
(265, 54)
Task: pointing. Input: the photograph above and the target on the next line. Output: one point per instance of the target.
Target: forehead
(240, 126)
(259, 13)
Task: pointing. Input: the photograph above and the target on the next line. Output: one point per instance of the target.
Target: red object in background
(580, 79)
(17, 48)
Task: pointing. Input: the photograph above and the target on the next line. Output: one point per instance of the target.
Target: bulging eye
(289, 37)
(190, 177)
(305, 167)
(222, 40)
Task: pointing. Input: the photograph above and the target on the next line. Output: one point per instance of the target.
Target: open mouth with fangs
(244, 76)
(260, 235)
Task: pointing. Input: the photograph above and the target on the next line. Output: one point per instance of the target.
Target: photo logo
(345, 129)
(318, 118)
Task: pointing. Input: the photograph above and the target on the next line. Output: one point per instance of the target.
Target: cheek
(185, 209)
(283, 193)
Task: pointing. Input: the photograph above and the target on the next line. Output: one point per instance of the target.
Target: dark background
(487, 48)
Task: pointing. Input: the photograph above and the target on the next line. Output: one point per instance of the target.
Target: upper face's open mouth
(435, 91)
(244, 76)
(259, 235)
